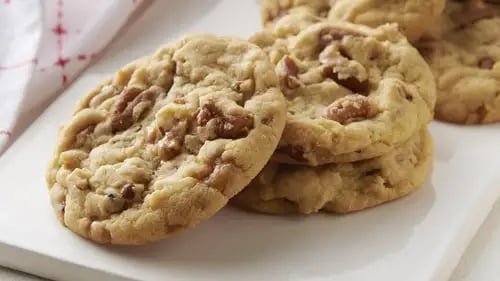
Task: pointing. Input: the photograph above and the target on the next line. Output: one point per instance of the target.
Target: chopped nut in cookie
(350, 82)
(288, 72)
(348, 109)
(233, 127)
(171, 144)
(128, 192)
(130, 100)
(213, 123)
(486, 63)
(207, 113)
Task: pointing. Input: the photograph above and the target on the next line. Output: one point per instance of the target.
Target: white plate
(480, 261)
(418, 238)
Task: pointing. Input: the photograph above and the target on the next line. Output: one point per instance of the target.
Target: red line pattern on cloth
(60, 31)
(60, 62)
(57, 61)
(5, 133)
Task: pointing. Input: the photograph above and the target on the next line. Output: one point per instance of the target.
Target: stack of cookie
(312, 114)
(460, 39)
(359, 100)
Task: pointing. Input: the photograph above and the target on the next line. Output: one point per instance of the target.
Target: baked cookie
(465, 60)
(353, 92)
(340, 188)
(414, 17)
(273, 10)
(166, 142)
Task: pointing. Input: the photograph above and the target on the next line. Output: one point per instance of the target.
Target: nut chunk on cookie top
(353, 92)
(166, 142)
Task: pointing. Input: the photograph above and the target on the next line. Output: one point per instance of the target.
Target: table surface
(478, 264)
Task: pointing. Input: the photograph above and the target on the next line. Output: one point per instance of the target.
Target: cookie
(274, 10)
(166, 142)
(340, 188)
(465, 59)
(414, 17)
(353, 92)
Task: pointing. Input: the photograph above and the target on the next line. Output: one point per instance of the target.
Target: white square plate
(418, 238)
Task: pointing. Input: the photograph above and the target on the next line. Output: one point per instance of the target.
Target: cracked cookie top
(353, 92)
(166, 142)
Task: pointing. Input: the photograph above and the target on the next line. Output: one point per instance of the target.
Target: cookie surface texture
(353, 92)
(465, 59)
(340, 188)
(166, 142)
(274, 10)
(414, 17)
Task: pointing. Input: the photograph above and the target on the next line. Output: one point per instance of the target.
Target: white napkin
(45, 44)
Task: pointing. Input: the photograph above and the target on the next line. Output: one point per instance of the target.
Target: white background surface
(480, 262)
(418, 238)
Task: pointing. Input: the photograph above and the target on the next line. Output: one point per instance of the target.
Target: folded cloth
(45, 45)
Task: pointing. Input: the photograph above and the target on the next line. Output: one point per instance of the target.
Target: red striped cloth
(47, 44)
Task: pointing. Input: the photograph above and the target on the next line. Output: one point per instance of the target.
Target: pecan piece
(486, 63)
(154, 133)
(171, 145)
(288, 73)
(348, 109)
(218, 178)
(128, 192)
(233, 127)
(85, 136)
(351, 83)
(208, 112)
(220, 125)
(123, 113)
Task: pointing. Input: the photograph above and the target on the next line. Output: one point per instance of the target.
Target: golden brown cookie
(353, 92)
(465, 59)
(164, 144)
(414, 17)
(274, 10)
(340, 188)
